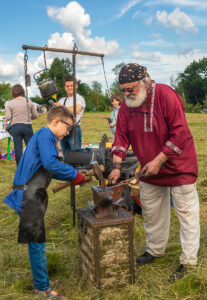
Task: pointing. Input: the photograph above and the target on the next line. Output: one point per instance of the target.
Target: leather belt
(20, 187)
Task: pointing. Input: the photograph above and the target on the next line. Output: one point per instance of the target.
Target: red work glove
(80, 179)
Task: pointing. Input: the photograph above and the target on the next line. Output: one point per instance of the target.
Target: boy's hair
(17, 91)
(60, 112)
(68, 78)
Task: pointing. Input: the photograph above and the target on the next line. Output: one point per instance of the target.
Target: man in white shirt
(67, 143)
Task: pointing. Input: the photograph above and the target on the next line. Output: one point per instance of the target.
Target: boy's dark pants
(31, 227)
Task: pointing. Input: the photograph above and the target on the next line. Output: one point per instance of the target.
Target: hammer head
(98, 173)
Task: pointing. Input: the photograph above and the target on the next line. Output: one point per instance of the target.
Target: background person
(17, 113)
(67, 143)
(152, 120)
(116, 103)
(39, 164)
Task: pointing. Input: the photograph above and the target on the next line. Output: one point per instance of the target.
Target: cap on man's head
(132, 72)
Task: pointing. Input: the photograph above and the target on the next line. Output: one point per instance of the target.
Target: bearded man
(152, 120)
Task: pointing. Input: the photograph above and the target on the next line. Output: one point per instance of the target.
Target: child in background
(38, 165)
(116, 103)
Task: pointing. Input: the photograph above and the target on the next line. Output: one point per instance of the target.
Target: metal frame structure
(74, 52)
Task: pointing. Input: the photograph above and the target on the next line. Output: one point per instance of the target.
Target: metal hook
(75, 48)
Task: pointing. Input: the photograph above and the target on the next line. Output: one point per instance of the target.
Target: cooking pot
(47, 87)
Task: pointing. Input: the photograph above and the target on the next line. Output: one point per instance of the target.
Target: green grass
(62, 242)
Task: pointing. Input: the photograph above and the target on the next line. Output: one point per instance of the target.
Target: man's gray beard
(137, 100)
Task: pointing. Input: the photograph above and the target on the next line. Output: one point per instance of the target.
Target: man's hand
(57, 104)
(152, 168)
(114, 176)
(111, 125)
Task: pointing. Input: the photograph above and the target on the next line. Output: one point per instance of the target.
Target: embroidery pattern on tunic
(173, 147)
(150, 127)
(120, 148)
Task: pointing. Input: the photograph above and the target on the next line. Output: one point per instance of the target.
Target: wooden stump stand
(106, 248)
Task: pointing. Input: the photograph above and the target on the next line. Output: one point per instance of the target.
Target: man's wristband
(116, 165)
(160, 161)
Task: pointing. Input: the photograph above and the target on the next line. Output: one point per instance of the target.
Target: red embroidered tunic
(160, 127)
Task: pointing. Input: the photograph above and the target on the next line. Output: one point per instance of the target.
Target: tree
(60, 69)
(177, 84)
(5, 93)
(193, 81)
(96, 87)
(115, 88)
(96, 100)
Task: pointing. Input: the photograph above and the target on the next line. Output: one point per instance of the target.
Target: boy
(38, 165)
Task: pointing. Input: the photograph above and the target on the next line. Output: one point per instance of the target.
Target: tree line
(96, 99)
(190, 84)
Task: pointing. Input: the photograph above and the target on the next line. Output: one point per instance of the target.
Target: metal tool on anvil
(98, 173)
(85, 172)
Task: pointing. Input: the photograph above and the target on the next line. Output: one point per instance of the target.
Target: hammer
(98, 173)
(69, 183)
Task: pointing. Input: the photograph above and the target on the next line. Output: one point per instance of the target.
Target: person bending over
(38, 165)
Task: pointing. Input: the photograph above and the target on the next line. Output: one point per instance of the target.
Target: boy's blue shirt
(40, 151)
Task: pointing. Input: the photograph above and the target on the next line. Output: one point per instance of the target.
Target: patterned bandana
(132, 72)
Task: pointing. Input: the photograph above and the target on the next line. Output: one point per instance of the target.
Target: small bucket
(47, 87)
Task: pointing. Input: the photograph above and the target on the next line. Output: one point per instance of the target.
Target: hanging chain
(107, 87)
(27, 83)
(45, 58)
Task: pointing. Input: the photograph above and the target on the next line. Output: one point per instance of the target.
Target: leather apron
(35, 200)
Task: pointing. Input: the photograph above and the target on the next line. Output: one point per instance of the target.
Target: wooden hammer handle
(61, 186)
(68, 183)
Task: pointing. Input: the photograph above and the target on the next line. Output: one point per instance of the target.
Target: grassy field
(62, 243)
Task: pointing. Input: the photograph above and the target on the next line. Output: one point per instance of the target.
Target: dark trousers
(20, 132)
(67, 143)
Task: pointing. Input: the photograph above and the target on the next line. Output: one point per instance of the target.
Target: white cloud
(148, 21)
(155, 35)
(167, 65)
(7, 70)
(136, 14)
(156, 43)
(144, 55)
(74, 19)
(177, 20)
(184, 51)
(127, 7)
(196, 4)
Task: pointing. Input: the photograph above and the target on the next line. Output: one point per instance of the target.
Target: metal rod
(74, 100)
(72, 199)
(62, 50)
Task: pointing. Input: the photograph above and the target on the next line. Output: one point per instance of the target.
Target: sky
(164, 36)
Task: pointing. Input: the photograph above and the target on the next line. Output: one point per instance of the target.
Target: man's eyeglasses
(66, 123)
(129, 90)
